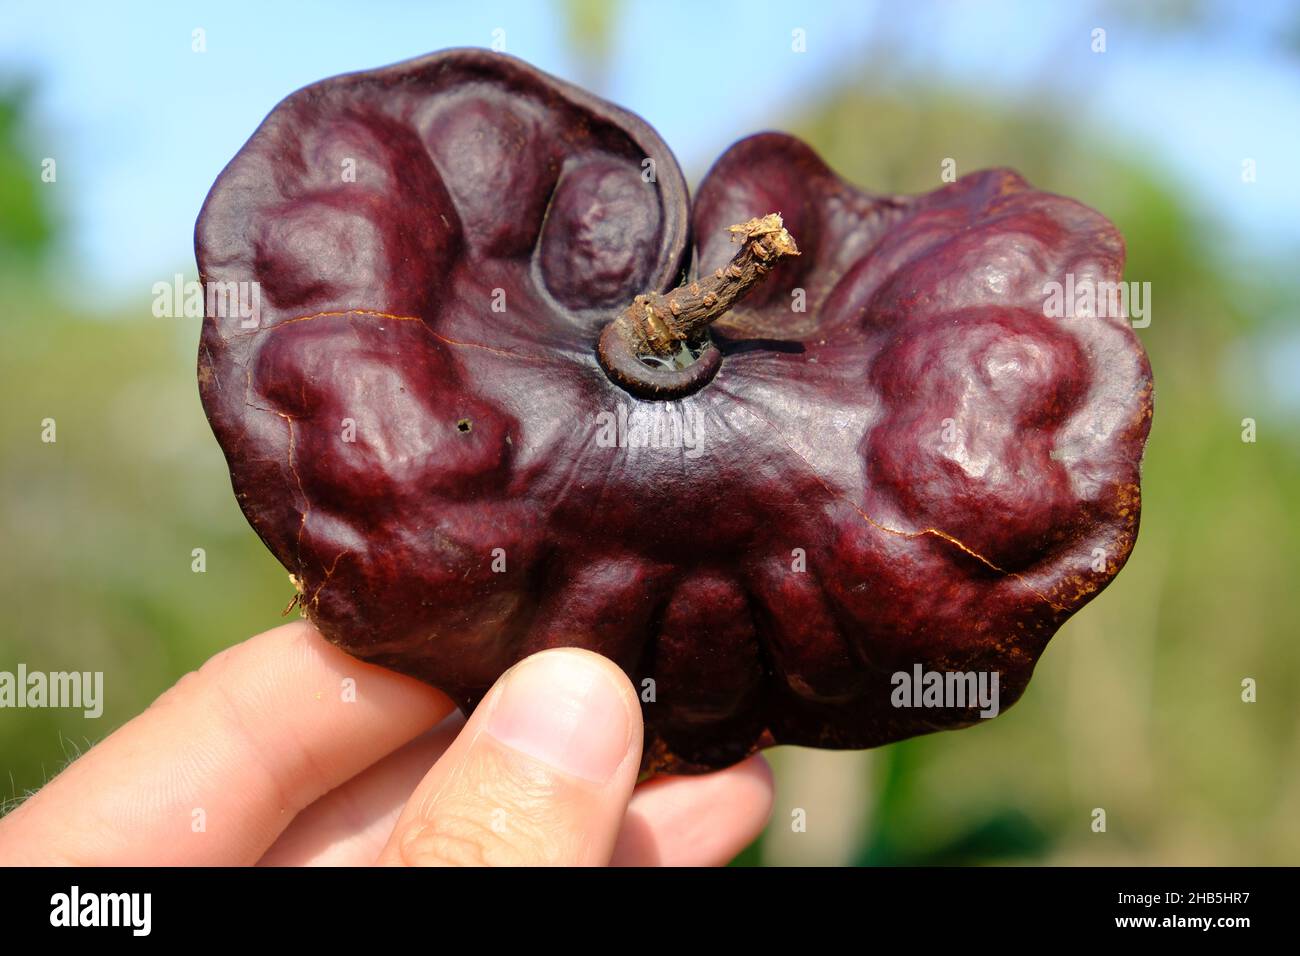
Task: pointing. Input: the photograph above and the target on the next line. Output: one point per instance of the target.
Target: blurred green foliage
(26, 220)
(100, 525)
(1136, 706)
(589, 28)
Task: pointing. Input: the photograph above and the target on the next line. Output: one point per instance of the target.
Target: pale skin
(258, 757)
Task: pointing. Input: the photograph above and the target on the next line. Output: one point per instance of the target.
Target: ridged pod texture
(903, 459)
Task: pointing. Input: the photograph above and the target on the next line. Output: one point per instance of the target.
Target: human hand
(260, 757)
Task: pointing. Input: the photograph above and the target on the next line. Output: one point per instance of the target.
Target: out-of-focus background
(1178, 120)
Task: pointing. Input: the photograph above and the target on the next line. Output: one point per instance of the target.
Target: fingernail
(563, 709)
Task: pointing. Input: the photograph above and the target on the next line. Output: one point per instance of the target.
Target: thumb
(541, 774)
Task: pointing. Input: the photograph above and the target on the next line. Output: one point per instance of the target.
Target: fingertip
(757, 771)
(542, 773)
(570, 709)
(697, 820)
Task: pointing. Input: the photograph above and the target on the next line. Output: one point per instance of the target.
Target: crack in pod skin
(474, 512)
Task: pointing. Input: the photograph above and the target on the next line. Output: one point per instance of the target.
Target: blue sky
(140, 124)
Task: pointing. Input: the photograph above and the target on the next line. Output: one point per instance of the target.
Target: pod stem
(668, 329)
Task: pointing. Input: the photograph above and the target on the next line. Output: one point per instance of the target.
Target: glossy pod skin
(920, 467)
